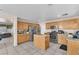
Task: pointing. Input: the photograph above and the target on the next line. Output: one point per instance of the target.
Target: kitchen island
(41, 41)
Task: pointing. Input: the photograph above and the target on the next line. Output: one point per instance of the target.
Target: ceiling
(40, 12)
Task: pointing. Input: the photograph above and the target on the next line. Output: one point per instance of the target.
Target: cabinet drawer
(22, 38)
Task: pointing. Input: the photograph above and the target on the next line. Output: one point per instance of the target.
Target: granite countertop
(41, 34)
(71, 38)
(75, 39)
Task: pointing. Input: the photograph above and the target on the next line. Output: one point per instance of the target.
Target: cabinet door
(20, 38)
(69, 24)
(62, 39)
(78, 23)
(37, 41)
(47, 26)
(47, 38)
(27, 37)
(73, 47)
(24, 26)
(51, 25)
(19, 25)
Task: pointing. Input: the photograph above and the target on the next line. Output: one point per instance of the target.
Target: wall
(13, 20)
(14, 29)
(42, 27)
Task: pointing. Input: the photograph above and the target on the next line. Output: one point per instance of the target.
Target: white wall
(15, 30)
(43, 28)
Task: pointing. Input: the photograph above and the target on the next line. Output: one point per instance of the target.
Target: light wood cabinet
(41, 41)
(64, 24)
(69, 24)
(23, 38)
(19, 25)
(51, 24)
(22, 25)
(35, 26)
(25, 26)
(73, 47)
(47, 25)
(62, 39)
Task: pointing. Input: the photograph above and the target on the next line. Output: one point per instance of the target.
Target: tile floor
(6, 48)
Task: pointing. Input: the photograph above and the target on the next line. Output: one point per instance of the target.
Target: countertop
(23, 33)
(41, 35)
(70, 38)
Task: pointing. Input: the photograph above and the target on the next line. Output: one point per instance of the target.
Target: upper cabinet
(26, 26)
(64, 24)
(69, 24)
(51, 25)
(35, 26)
(22, 25)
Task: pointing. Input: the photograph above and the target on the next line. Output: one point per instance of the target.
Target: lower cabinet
(62, 39)
(41, 41)
(22, 38)
(73, 47)
(72, 44)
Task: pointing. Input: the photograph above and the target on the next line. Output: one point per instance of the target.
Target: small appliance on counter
(70, 35)
(76, 35)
